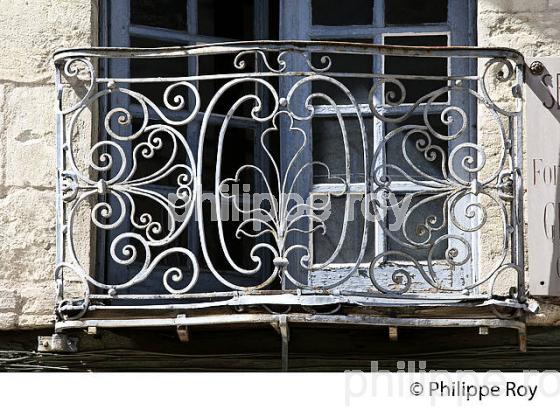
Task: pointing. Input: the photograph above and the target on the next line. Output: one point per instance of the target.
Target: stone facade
(30, 31)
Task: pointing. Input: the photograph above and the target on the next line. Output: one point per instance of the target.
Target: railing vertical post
(60, 166)
(518, 251)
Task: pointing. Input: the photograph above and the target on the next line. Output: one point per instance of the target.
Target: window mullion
(379, 13)
(192, 16)
(193, 129)
(118, 68)
(378, 127)
(460, 35)
(295, 23)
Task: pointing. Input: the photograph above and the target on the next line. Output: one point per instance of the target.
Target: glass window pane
(165, 67)
(170, 14)
(325, 244)
(239, 248)
(237, 151)
(421, 66)
(405, 12)
(328, 147)
(413, 223)
(345, 63)
(337, 13)
(230, 19)
(425, 151)
(212, 65)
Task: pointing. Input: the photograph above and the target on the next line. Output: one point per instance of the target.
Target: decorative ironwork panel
(278, 173)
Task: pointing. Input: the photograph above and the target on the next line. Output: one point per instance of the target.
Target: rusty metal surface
(330, 46)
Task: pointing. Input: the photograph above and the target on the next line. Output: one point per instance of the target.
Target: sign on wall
(543, 176)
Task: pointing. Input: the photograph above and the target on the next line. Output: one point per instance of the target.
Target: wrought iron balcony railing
(289, 175)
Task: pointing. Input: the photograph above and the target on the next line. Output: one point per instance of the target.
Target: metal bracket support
(57, 343)
(393, 333)
(183, 330)
(523, 339)
(281, 326)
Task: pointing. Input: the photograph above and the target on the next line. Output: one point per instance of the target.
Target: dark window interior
(341, 13)
(325, 243)
(428, 66)
(346, 63)
(409, 12)
(165, 67)
(171, 14)
(230, 19)
(222, 20)
(328, 147)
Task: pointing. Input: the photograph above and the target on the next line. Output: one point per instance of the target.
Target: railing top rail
(309, 46)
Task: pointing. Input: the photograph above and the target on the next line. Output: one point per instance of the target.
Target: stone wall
(30, 31)
(530, 26)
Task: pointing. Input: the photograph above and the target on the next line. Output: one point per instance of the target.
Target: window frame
(294, 23)
(460, 30)
(118, 33)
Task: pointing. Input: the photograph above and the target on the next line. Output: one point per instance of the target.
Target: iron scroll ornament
(461, 178)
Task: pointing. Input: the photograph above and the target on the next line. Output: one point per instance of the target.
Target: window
(397, 23)
(140, 23)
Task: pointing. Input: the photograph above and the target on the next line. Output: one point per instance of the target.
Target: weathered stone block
(32, 30)
(27, 236)
(9, 300)
(513, 6)
(554, 4)
(29, 129)
(8, 320)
